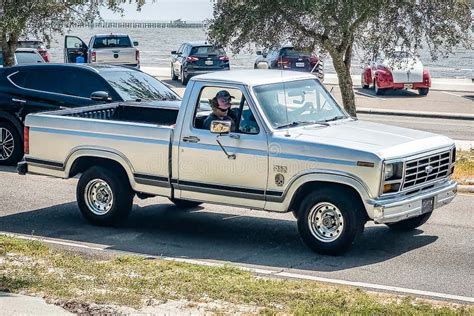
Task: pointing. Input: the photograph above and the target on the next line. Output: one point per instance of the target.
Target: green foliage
(336, 26)
(40, 18)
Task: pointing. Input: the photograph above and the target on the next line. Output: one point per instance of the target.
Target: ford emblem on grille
(429, 169)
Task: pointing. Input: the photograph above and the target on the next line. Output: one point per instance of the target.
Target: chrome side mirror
(101, 96)
(221, 127)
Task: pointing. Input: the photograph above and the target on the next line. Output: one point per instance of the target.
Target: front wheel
(11, 146)
(329, 222)
(411, 223)
(173, 74)
(184, 79)
(423, 91)
(104, 196)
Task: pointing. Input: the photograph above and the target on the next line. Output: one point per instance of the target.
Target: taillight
(44, 54)
(137, 56)
(192, 59)
(313, 59)
(426, 77)
(93, 57)
(283, 62)
(224, 58)
(26, 140)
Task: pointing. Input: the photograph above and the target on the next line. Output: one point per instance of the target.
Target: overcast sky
(190, 10)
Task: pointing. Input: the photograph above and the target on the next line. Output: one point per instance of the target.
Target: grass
(464, 169)
(32, 267)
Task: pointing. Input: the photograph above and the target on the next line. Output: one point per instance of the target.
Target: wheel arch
(12, 119)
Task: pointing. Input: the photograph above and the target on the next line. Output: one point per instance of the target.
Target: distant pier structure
(144, 24)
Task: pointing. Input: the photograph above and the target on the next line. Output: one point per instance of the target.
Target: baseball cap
(224, 94)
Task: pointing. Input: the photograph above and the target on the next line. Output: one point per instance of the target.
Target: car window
(207, 50)
(239, 111)
(28, 58)
(112, 41)
(291, 52)
(136, 85)
(82, 83)
(48, 80)
(30, 44)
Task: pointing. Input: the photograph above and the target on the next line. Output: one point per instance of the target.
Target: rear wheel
(329, 222)
(11, 147)
(104, 196)
(423, 91)
(378, 91)
(362, 83)
(184, 79)
(184, 204)
(173, 74)
(411, 223)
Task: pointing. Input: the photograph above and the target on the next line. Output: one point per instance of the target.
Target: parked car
(399, 70)
(36, 88)
(115, 49)
(288, 58)
(196, 58)
(291, 148)
(25, 56)
(38, 45)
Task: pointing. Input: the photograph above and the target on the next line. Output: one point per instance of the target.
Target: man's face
(224, 103)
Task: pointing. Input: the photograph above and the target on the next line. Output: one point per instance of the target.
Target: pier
(144, 24)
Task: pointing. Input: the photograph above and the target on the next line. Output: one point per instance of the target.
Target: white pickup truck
(291, 148)
(116, 49)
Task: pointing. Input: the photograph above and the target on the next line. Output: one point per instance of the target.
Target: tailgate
(116, 55)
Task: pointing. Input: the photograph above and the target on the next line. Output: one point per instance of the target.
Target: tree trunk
(343, 71)
(9, 44)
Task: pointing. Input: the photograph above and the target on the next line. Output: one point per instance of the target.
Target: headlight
(388, 171)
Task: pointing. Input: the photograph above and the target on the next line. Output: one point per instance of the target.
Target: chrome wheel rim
(99, 197)
(7, 144)
(326, 222)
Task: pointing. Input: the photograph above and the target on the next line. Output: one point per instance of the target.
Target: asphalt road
(437, 257)
(455, 129)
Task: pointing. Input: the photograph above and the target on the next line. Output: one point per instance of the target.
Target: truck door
(205, 172)
(73, 48)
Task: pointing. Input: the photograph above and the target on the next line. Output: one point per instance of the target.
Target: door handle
(191, 139)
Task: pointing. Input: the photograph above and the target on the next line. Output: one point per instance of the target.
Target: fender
(99, 152)
(367, 76)
(282, 204)
(13, 120)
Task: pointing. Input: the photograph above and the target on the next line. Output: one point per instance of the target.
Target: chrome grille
(426, 169)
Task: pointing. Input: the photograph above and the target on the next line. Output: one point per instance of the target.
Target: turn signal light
(26, 140)
(387, 188)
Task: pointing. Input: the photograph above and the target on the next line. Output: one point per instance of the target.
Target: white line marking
(456, 95)
(368, 95)
(270, 273)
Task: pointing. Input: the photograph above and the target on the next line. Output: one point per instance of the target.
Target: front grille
(416, 171)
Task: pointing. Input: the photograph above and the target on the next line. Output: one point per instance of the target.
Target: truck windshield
(296, 103)
(136, 85)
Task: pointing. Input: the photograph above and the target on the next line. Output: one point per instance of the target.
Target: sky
(165, 10)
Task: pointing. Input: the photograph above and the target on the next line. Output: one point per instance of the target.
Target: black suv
(37, 88)
(197, 58)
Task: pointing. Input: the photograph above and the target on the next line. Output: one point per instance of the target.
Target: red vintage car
(399, 70)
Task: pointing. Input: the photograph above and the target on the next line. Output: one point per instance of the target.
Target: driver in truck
(221, 111)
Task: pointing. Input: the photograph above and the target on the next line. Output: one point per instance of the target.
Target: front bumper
(398, 208)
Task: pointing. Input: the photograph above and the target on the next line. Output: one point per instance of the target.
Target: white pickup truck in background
(117, 49)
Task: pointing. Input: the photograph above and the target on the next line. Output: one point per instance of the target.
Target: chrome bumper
(400, 208)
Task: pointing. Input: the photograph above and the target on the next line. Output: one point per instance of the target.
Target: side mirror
(100, 96)
(135, 43)
(173, 52)
(48, 46)
(77, 45)
(221, 127)
(259, 52)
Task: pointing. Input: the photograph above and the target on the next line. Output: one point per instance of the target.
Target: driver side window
(239, 112)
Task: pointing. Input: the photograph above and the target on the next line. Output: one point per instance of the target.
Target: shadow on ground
(389, 94)
(164, 230)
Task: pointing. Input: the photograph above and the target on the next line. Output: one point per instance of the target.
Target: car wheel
(329, 222)
(411, 223)
(184, 79)
(185, 204)
(11, 146)
(173, 74)
(378, 91)
(362, 83)
(104, 196)
(423, 91)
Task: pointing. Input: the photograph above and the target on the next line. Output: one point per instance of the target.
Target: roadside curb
(464, 188)
(468, 117)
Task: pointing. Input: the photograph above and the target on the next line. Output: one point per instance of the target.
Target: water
(156, 45)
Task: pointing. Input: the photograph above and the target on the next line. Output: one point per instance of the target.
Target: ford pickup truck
(291, 148)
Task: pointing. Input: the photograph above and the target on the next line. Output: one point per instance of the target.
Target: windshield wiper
(339, 117)
(298, 123)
